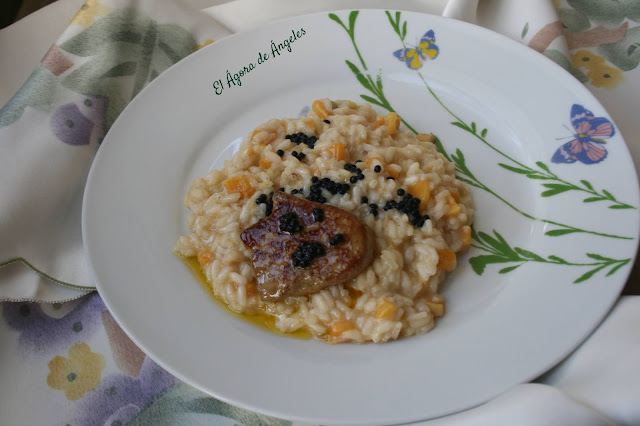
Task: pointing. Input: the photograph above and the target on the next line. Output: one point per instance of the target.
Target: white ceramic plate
(514, 307)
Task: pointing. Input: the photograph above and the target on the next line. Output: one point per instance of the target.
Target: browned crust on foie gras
(278, 277)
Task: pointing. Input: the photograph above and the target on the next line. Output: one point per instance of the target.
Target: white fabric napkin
(49, 133)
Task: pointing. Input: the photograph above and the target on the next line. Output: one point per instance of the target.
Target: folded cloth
(528, 405)
(118, 384)
(51, 129)
(596, 385)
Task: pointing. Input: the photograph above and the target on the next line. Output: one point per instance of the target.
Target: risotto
(347, 156)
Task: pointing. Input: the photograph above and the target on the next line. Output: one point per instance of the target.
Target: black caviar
(299, 155)
(353, 169)
(318, 214)
(336, 239)
(280, 152)
(306, 253)
(268, 201)
(410, 206)
(350, 167)
(290, 223)
(377, 169)
(364, 200)
(326, 121)
(315, 192)
(300, 137)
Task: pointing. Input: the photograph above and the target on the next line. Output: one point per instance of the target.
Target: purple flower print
(123, 415)
(94, 108)
(41, 333)
(120, 397)
(70, 126)
(154, 379)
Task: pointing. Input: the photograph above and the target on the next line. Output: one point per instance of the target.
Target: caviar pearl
(290, 223)
(307, 252)
(336, 239)
(318, 214)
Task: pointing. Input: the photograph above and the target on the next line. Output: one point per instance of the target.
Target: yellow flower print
(586, 59)
(605, 76)
(599, 73)
(204, 43)
(88, 13)
(78, 374)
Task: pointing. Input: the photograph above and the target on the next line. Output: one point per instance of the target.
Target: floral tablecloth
(77, 367)
(70, 363)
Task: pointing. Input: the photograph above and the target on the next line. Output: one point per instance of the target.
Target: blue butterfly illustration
(588, 145)
(426, 48)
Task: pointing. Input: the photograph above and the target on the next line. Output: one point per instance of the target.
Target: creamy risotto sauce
(351, 157)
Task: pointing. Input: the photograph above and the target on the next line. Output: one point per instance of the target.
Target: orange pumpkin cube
(336, 151)
(446, 260)
(239, 184)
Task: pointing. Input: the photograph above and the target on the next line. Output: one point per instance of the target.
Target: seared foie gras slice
(303, 247)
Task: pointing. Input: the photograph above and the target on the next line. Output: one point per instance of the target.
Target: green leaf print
(183, 405)
(122, 70)
(560, 232)
(509, 269)
(499, 251)
(479, 263)
(625, 53)
(126, 52)
(38, 92)
(553, 184)
(607, 13)
(554, 189)
(573, 21)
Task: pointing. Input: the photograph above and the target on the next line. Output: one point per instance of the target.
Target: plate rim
(277, 24)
